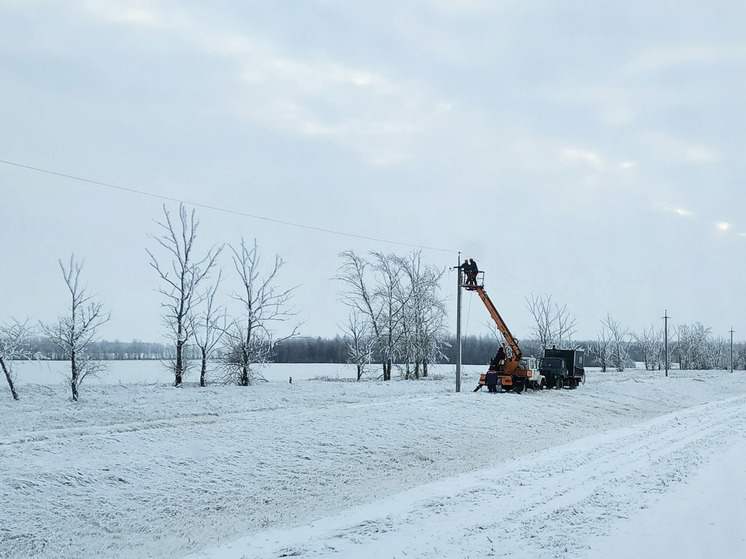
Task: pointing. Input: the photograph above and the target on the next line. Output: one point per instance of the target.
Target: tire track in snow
(172, 422)
(118, 428)
(543, 505)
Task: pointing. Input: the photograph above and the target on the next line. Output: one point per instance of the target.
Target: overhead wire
(221, 209)
(263, 218)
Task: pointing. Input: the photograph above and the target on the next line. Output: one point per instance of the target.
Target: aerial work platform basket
(471, 284)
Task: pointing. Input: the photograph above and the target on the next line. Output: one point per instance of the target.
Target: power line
(219, 209)
(272, 220)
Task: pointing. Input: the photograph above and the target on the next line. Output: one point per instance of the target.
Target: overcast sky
(591, 151)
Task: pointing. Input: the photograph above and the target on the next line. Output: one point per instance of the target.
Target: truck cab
(535, 380)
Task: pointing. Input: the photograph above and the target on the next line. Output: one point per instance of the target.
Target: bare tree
(553, 324)
(719, 354)
(14, 345)
(388, 293)
(694, 347)
(618, 342)
(424, 312)
(209, 327)
(249, 338)
(540, 308)
(602, 350)
(75, 333)
(651, 347)
(358, 295)
(399, 297)
(739, 356)
(566, 323)
(181, 279)
(361, 341)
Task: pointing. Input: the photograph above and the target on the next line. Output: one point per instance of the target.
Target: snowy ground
(629, 465)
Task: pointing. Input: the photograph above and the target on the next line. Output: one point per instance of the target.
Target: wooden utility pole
(665, 337)
(731, 349)
(458, 326)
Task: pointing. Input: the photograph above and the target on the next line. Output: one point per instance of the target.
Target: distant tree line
(693, 349)
(690, 347)
(294, 350)
(103, 350)
(311, 350)
(475, 350)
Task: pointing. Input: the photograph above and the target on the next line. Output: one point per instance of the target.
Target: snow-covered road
(399, 469)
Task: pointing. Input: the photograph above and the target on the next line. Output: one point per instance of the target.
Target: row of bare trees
(691, 346)
(397, 314)
(190, 284)
(240, 333)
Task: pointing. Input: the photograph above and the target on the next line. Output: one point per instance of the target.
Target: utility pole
(731, 349)
(458, 326)
(665, 337)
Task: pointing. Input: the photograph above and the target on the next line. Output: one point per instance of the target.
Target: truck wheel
(558, 383)
(518, 386)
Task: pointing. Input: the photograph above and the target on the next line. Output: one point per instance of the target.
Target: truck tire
(518, 385)
(559, 383)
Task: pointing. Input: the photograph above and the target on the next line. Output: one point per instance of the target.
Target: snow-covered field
(631, 464)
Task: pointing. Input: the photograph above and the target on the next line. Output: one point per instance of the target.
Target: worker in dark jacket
(499, 358)
(490, 380)
(471, 278)
(465, 268)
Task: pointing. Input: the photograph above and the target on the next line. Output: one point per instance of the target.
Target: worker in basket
(465, 268)
(470, 270)
(471, 275)
(497, 363)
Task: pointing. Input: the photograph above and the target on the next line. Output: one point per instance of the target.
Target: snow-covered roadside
(701, 517)
(148, 470)
(553, 502)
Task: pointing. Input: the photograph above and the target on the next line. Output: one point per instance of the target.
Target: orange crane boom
(512, 374)
(501, 326)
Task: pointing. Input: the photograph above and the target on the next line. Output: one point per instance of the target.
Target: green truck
(562, 368)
